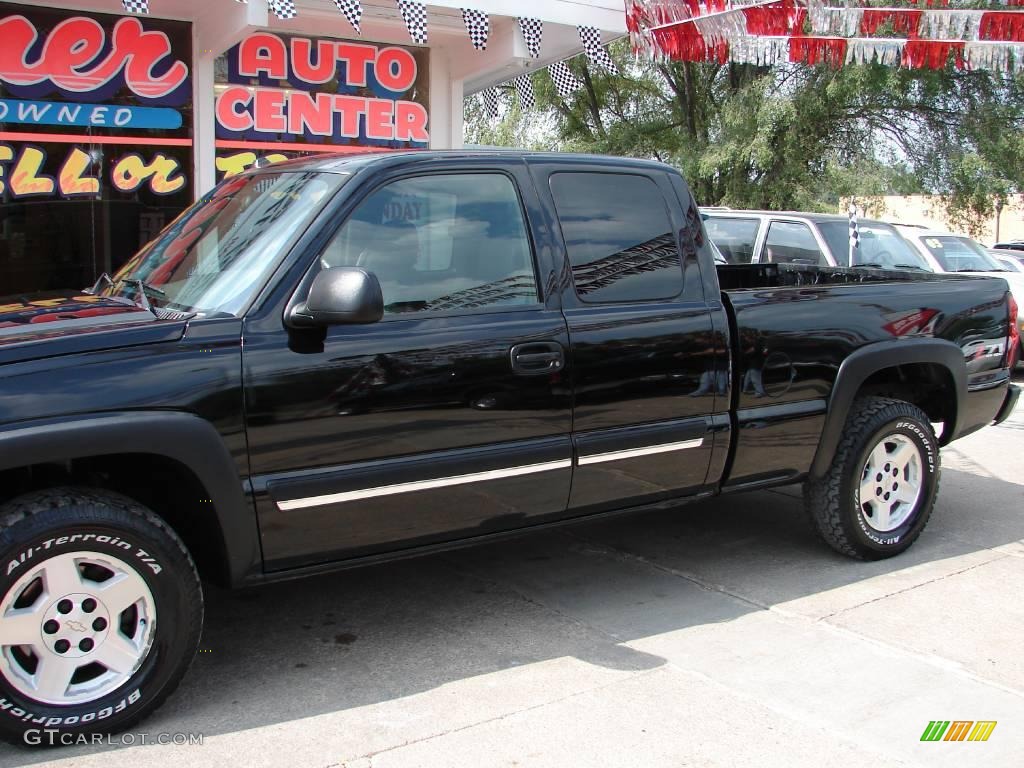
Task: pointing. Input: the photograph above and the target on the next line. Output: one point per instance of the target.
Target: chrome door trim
(421, 485)
(631, 453)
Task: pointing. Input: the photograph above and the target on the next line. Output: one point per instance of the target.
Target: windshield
(219, 252)
(959, 254)
(880, 245)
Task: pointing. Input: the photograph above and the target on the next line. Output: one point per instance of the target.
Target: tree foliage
(791, 136)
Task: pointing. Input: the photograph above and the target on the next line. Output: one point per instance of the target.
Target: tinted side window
(619, 237)
(790, 242)
(734, 237)
(441, 243)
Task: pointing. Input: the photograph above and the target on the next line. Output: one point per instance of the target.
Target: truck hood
(58, 323)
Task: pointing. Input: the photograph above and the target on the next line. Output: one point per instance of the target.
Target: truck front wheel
(879, 492)
(100, 614)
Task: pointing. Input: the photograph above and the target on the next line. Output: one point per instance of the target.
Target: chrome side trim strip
(632, 453)
(421, 485)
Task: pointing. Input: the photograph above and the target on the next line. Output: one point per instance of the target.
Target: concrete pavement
(715, 634)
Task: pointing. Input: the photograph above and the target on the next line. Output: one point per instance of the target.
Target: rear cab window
(734, 236)
(619, 237)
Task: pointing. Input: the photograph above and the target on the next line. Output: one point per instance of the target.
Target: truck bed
(793, 326)
(748, 276)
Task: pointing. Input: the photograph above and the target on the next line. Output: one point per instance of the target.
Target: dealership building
(113, 119)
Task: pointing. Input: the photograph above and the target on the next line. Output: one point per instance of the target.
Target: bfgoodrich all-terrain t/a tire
(101, 610)
(879, 492)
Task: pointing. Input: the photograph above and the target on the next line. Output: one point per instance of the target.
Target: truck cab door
(447, 419)
(647, 361)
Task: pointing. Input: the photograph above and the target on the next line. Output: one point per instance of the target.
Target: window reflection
(618, 235)
(441, 243)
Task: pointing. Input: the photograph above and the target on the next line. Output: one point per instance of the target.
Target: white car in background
(1008, 259)
(949, 252)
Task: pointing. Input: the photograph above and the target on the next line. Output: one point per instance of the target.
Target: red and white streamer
(763, 32)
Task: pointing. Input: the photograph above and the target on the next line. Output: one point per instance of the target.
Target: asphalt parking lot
(715, 634)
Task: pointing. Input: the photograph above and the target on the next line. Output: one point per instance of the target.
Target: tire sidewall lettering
(142, 558)
(925, 440)
(83, 718)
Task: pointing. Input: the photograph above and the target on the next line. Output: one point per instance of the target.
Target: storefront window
(95, 141)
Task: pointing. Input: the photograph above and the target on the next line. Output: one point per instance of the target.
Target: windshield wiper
(910, 266)
(144, 290)
(141, 286)
(101, 281)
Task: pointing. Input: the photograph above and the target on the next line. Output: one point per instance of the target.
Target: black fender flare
(183, 437)
(868, 360)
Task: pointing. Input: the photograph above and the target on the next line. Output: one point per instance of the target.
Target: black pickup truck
(339, 360)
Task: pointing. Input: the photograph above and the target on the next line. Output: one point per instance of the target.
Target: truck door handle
(537, 357)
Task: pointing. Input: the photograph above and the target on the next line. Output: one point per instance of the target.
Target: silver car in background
(793, 237)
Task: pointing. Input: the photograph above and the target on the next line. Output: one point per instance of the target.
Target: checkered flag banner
(136, 6)
(491, 102)
(533, 31)
(596, 54)
(854, 232)
(353, 11)
(283, 9)
(524, 87)
(415, 15)
(566, 83)
(478, 24)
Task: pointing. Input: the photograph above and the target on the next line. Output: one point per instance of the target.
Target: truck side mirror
(340, 295)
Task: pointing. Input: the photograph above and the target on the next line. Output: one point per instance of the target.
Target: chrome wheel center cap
(75, 625)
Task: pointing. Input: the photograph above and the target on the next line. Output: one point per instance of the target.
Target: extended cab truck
(334, 361)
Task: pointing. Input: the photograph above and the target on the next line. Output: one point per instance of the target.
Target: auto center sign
(282, 95)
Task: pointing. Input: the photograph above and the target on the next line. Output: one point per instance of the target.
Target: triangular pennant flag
(596, 54)
(533, 30)
(353, 11)
(415, 15)
(478, 24)
(136, 6)
(566, 83)
(524, 86)
(491, 102)
(283, 9)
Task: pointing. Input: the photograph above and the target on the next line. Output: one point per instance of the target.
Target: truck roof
(739, 213)
(347, 162)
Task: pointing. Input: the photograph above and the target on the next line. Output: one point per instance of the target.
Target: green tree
(791, 136)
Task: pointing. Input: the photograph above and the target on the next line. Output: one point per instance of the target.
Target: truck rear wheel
(100, 614)
(879, 492)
